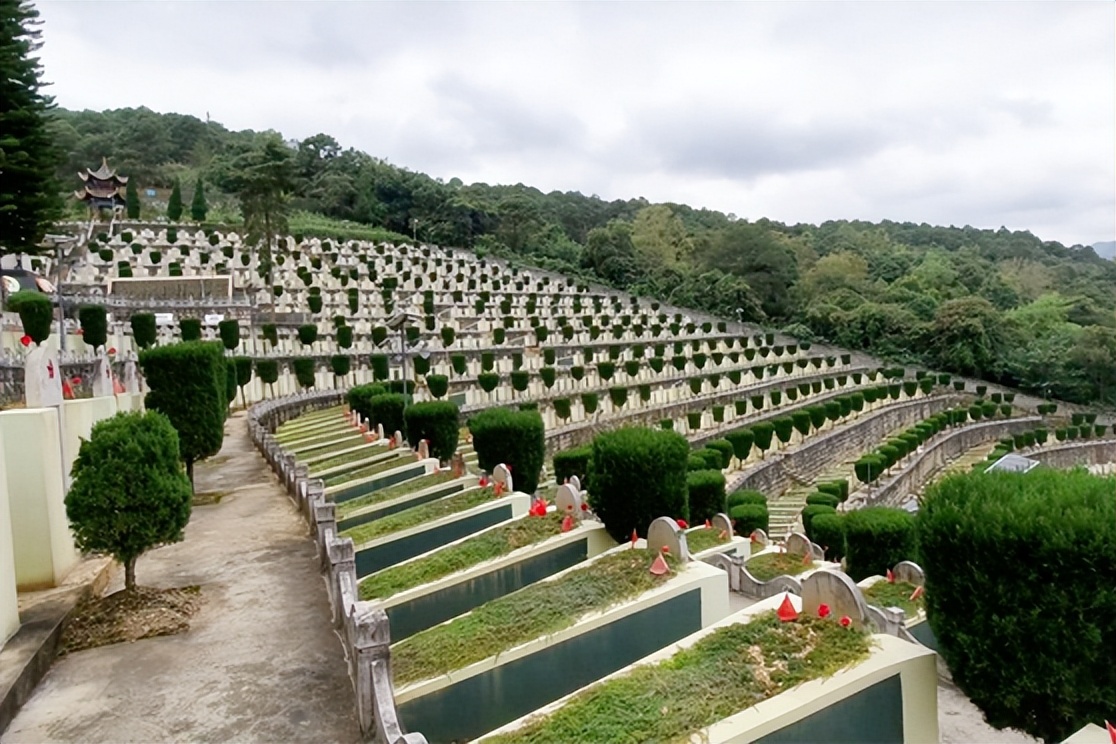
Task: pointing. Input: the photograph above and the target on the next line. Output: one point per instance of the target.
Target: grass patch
(704, 539)
(537, 610)
(769, 565)
(883, 594)
(413, 485)
(418, 515)
(209, 498)
(362, 454)
(373, 469)
(727, 671)
(495, 543)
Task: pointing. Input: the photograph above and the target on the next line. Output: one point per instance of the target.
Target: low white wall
(9, 612)
(44, 548)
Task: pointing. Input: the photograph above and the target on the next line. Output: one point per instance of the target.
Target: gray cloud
(982, 113)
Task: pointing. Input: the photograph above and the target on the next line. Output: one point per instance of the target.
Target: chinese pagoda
(103, 188)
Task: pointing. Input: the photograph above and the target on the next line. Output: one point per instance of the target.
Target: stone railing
(363, 628)
(1072, 454)
(939, 452)
(808, 459)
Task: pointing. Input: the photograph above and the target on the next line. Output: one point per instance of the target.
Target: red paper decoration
(786, 611)
(846, 621)
(567, 523)
(823, 610)
(890, 577)
(917, 593)
(682, 523)
(1111, 731)
(635, 536)
(659, 566)
(708, 525)
(25, 340)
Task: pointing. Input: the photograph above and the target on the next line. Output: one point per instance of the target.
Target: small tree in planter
(514, 438)
(648, 462)
(304, 369)
(308, 334)
(187, 382)
(271, 334)
(35, 313)
(94, 325)
(229, 331)
(705, 494)
(243, 367)
(340, 364)
(129, 492)
(437, 422)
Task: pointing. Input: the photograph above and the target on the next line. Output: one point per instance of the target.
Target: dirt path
(260, 662)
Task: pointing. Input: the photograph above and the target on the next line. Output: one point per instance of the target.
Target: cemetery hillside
(384, 457)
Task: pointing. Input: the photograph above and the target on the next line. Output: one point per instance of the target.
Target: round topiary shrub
(817, 497)
(705, 494)
(1021, 594)
(876, 539)
(747, 518)
(229, 330)
(144, 330)
(190, 328)
(812, 510)
(637, 475)
(745, 496)
(438, 422)
(340, 364)
(572, 462)
(304, 369)
(438, 385)
(726, 449)
(35, 313)
(386, 409)
(94, 325)
(514, 438)
(828, 531)
(129, 492)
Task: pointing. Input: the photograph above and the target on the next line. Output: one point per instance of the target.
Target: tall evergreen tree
(198, 207)
(131, 200)
(174, 205)
(29, 199)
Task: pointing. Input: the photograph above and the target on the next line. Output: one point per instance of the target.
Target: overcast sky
(958, 113)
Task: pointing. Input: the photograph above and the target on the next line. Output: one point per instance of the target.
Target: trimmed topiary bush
(308, 333)
(828, 531)
(825, 499)
(747, 518)
(268, 371)
(572, 462)
(229, 331)
(725, 447)
(812, 510)
(35, 313)
(359, 397)
(94, 325)
(304, 369)
(387, 409)
(144, 330)
(745, 496)
(340, 364)
(379, 362)
(437, 422)
(129, 493)
(1021, 594)
(876, 539)
(514, 438)
(741, 440)
(190, 328)
(187, 384)
(705, 494)
(438, 385)
(637, 475)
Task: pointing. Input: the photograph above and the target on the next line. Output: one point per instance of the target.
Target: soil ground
(260, 661)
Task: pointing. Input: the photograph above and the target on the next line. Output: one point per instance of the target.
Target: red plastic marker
(659, 566)
(786, 610)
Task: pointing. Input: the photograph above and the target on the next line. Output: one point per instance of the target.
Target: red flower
(25, 340)
(682, 523)
(112, 350)
(846, 621)
(665, 549)
(584, 506)
(823, 610)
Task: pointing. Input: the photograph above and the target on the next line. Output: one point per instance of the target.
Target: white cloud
(951, 113)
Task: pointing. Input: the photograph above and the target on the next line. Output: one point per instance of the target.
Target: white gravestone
(42, 379)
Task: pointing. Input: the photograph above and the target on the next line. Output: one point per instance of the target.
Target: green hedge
(741, 440)
(828, 531)
(144, 330)
(876, 539)
(229, 331)
(304, 369)
(438, 385)
(340, 364)
(747, 518)
(1021, 594)
(267, 370)
(187, 384)
(94, 325)
(726, 449)
(571, 462)
(35, 313)
(705, 494)
(514, 438)
(387, 409)
(817, 497)
(437, 422)
(812, 510)
(745, 496)
(359, 398)
(637, 475)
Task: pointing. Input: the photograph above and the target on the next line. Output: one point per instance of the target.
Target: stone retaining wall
(1078, 453)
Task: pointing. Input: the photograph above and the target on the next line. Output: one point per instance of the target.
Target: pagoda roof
(103, 173)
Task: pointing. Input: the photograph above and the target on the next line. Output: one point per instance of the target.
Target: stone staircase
(784, 510)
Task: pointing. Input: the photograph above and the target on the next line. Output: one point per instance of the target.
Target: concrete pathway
(260, 662)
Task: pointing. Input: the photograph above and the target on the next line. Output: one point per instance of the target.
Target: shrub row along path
(260, 661)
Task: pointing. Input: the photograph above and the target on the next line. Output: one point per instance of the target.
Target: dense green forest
(999, 304)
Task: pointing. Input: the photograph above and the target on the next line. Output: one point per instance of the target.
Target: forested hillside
(998, 304)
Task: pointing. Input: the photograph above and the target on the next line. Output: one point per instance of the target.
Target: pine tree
(174, 205)
(29, 199)
(198, 207)
(131, 200)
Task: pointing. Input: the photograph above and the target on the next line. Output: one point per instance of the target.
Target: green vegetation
(572, 462)
(514, 438)
(382, 495)
(35, 313)
(537, 610)
(635, 476)
(999, 304)
(380, 466)
(876, 539)
(675, 699)
(705, 494)
(487, 546)
(94, 325)
(897, 594)
(704, 538)
(769, 565)
(129, 492)
(1020, 592)
(187, 382)
(417, 515)
(144, 330)
(438, 423)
